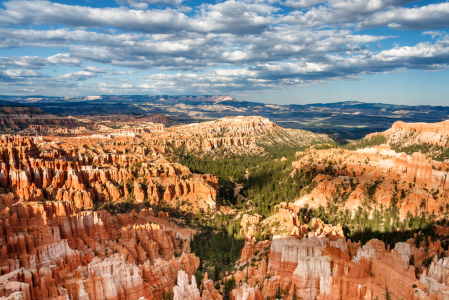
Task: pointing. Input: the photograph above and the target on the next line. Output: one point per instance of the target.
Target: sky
(279, 52)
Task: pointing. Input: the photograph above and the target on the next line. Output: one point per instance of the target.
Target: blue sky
(287, 51)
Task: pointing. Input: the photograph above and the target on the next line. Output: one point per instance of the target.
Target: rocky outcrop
(55, 250)
(439, 270)
(300, 262)
(209, 291)
(418, 133)
(251, 248)
(250, 224)
(111, 278)
(288, 222)
(417, 167)
(441, 127)
(318, 268)
(238, 135)
(231, 133)
(20, 117)
(374, 176)
(184, 290)
(36, 174)
(432, 139)
(245, 292)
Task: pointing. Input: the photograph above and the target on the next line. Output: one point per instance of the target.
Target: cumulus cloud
(230, 16)
(302, 3)
(77, 76)
(234, 45)
(423, 56)
(35, 62)
(146, 2)
(432, 16)
(18, 76)
(194, 50)
(88, 73)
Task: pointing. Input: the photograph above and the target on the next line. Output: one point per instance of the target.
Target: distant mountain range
(351, 119)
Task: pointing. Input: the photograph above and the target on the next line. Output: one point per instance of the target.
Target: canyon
(20, 117)
(375, 176)
(93, 212)
(329, 267)
(434, 133)
(429, 139)
(351, 120)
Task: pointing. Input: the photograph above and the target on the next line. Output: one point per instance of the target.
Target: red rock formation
(19, 117)
(184, 290)
(288, 222)
(318, 268)
(418, 133)
(249, 224)
(413, 178)
(246, 292)
(53, 246)
(235, 134)
(209, 292)
(34, 243)
(112, 278)
(251, 247)
(64, 175)
(441, 127)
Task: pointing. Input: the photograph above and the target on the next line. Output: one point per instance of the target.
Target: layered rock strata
(53, 250)
(318, 268)
(36, 174)
(375, 176)
(407, 134)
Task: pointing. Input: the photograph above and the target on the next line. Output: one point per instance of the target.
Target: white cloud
(36, 62)
(230, 45)
(230, 16)
(423, 56)
(432, 16)
(302, 3)
(77, 76)
(135, 3)
(190, 51)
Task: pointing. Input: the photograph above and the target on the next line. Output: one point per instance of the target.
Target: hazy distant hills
(352, 119)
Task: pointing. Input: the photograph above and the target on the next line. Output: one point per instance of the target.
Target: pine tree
(247, 267)
(412, 260)
(166, 296)
(387, 294)
(216, 272)
(278, 292)
(294, 293)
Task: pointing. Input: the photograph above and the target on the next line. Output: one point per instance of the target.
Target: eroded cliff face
(408, 134)
(20, 117)
(374, 176)
(313, 260)
(431, 139)
(130, 163)
(36, 173)
(184, 290)
(56, 244)
(316, 267)
(53, 250)
(238, 135)
(287, 221)
(436, 279)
